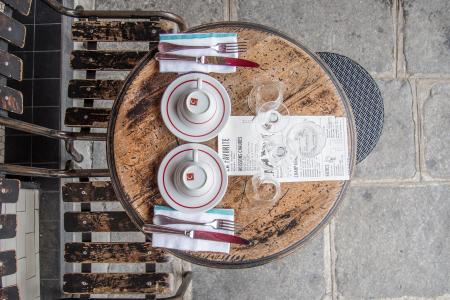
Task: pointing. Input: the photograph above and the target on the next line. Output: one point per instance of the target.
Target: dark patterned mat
(365, 99)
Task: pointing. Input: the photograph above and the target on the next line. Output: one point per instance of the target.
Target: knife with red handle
(209, 60)
(197, 234)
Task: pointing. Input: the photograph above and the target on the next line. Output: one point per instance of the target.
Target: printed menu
(240, 146)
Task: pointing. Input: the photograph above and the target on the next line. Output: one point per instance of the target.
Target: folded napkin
(197, 39)
(180, 242)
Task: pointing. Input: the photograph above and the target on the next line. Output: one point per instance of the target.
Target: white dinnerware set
(192, 177)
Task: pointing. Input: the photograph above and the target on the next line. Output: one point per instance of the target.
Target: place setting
(270, 146)
(192, 178)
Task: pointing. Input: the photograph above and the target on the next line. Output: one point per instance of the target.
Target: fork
(216, 224)
(219, 48)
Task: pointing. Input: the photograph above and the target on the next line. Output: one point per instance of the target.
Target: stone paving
(390, 239)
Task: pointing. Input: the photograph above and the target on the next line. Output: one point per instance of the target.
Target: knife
(209, 60)
(197, 234)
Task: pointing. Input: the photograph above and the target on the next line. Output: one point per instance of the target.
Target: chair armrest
(68, 172)
(120, 14)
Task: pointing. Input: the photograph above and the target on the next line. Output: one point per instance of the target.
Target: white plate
(195, 132)
(180, 201)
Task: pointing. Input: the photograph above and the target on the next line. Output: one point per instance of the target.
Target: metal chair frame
(67, 136)
(70, 137)
(111, 14)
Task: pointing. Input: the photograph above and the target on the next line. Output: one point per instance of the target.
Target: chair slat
(9, 190)
(9, 293)
(8, 263)
(11, 100)
(88, 191)
(87, 117)
(8, 224)
(12, 31)
(10, 65)
(22, 6)
(94, 89)
(83, 297)
(117, 283)
(113, 253)
(98, 222)
(116, 31)
(105, 60)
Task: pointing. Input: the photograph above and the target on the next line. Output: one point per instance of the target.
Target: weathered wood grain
(8, 225)
(113, 253)
(10, 65)
(94, 89)
(9, 293)
(308, 91)
(22, 6)
(87, 117)
(116, 31)
(93, 191)
(116, 283)
(11, 100)
(105, 60)
(12, 31)
(8, 264)
(9, 190)
(98, 222)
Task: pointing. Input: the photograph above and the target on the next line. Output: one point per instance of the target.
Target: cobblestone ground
(391, 237)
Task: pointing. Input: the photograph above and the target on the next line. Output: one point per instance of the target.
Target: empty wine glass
(262, 190)
(272, 117)
(265, 91)
(306, 139)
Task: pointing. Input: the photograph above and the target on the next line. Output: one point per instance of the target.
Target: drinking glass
(265, 91)
(262, 190)
(272, 117)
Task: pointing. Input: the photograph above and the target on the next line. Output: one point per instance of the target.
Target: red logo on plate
(190, 176)
(194, 101)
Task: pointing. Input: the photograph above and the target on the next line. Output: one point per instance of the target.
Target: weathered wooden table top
(138, 140)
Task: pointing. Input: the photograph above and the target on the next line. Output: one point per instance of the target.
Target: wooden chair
(87, 251)
(12, 32)
(89, 28)
(11, 100)
(9, 193)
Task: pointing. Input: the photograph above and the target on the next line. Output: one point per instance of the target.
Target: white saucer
(182, 202)
(195, 132)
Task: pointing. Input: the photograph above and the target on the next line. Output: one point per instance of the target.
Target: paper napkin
(180, 242)
(197, 39)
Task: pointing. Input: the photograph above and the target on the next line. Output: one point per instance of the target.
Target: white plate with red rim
(192, 178)
(195, 107)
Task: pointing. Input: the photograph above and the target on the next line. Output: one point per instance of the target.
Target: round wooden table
(138, 140)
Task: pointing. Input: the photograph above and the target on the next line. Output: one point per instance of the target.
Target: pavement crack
(399, 25)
